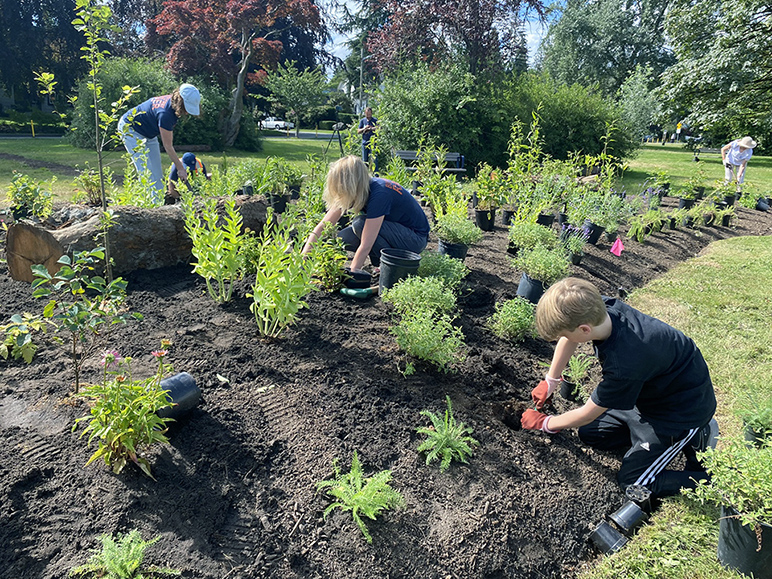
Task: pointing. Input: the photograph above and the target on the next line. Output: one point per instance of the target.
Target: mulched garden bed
(235, 491)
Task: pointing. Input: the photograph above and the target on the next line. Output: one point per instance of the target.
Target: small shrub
(513, 320)
(543, 264)
(121, 559)
(282, 280)
(215, 245)
(29, 198)
(17, 337)
(450, 271)
(740, 478)
(757, 413)
(429, 337)
(123, 416)
(446, 440)
(89, 186)
(453, 228)
(328, 256)
(367, 497)
(83, 315)
(428, 293)
(527, 235)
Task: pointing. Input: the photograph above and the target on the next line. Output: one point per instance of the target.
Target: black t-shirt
(652, 366)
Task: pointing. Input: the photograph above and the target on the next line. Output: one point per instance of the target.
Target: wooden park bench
(706, 150)
(454, 162)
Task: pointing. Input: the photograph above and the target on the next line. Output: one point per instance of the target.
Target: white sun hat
(191, 98)
(747, 142)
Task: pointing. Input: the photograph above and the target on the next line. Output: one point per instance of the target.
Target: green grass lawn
(721, 300)
(60, 152)
(679, 164)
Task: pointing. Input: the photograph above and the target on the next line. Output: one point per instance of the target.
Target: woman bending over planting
(141, 126)
(387, 215)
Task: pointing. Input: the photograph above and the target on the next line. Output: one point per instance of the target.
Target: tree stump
(140, 239)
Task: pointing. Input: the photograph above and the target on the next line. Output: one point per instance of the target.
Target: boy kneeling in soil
(655, 396)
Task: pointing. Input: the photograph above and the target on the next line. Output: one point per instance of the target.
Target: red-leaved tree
(224, 38)
(479, 31)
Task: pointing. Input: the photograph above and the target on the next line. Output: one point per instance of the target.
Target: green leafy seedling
(121, 559)
(364, 497)
(446, 440)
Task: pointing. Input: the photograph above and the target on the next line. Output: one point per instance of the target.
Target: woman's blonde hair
(178, 104)
(348, 185)
(566, 305)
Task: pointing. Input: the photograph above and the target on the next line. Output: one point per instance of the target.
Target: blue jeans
(391, 235)
(146, 156)
(366, 151)
(649, 454)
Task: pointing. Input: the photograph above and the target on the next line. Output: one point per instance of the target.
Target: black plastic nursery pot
(569, 391)
(278, 202)
(755, 436)
(530, 289)
(485, 218)
(761, 204)
(562, 218)
(576, 258)
(593, 231)
(416, 185)
(19, 213)
(607, 539)
(248, 189)
(506, 217)
(629, 517)
(685, 203)
(699, 192)
(545, 219)
(294, 191)
(183, 393)
(611, 236)
(730, 200)
(743, 548)
(396, 265)
(455, 250)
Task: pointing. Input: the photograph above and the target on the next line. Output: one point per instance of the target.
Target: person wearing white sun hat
(735, 157)
(141, 126)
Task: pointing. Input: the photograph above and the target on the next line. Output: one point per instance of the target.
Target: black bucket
(593, 231)
(396, 264)
(183, 394)
(740, 549)
(607, 539)
(455, 250)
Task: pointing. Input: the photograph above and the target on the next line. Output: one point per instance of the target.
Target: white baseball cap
(191, 98)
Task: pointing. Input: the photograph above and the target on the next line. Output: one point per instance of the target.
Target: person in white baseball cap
(735, 157)
(141, 126)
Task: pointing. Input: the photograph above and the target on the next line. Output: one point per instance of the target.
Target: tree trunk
(141, 238)
(233, 123)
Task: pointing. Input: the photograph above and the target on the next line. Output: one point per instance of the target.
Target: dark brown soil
(235, 491)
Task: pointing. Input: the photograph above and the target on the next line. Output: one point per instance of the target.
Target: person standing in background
(367, 128)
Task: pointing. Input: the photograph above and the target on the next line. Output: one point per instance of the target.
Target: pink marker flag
(617, 248)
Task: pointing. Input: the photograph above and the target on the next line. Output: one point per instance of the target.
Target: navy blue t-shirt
(364, 123)
(152, 114)
(652, 366)
(395, 204)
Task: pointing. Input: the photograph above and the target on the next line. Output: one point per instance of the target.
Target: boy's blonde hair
(348, 185)
(568, 304)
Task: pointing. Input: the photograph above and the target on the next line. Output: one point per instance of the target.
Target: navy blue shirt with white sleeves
(395, 203)
(652, 366)
(152, 115)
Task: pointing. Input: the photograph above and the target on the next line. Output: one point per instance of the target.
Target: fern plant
(121, 559)
(447, 440)
(364, 497)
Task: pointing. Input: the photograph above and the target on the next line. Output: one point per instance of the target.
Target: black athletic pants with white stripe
(647, 460)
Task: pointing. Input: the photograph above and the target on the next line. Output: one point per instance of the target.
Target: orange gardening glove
(542, 394)
(533, 420)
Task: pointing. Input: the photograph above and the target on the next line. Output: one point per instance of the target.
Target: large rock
(140, 239)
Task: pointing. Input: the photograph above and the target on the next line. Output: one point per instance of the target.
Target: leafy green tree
(722, 82)
(640, 107)
(601, 42)
(299, 92)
